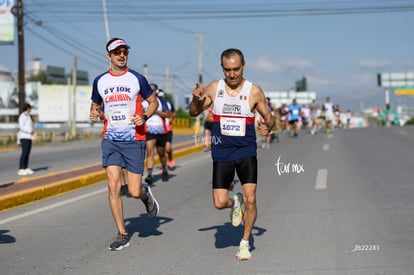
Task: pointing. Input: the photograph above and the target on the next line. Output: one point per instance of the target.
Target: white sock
(244, 242)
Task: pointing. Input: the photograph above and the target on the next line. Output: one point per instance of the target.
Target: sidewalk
(27, 189)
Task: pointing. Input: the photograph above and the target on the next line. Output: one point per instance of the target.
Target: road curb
(37, 193)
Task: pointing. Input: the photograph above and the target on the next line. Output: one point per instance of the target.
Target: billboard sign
(56, 101)
(6, 22)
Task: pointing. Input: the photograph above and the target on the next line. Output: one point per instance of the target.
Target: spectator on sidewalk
(25, 138)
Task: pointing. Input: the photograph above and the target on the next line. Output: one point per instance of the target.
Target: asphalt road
(328, 204)
(58, 156)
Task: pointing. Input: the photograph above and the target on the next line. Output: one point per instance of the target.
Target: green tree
(40, 77)
(410, 121)
(181, 113)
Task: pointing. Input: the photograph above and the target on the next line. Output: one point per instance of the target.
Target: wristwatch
(145, 117)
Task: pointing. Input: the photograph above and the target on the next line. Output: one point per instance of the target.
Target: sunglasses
(118, 52)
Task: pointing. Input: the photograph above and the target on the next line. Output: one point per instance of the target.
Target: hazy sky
(340, 46)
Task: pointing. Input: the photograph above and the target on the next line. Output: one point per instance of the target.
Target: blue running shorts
(126, 154)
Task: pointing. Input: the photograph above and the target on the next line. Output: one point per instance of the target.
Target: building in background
(285, 97)
(7, 86)
(47, 89)
(54, 75)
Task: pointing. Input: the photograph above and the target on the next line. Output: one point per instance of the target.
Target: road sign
(396, 80)
(404, 91)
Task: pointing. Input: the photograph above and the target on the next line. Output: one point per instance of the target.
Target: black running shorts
(208, 125)
(169, 136)
(223, 172)
(161, 139)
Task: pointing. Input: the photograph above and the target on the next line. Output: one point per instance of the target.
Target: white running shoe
(22, 172)
(244, 252)
(29, 171)
(236, 214)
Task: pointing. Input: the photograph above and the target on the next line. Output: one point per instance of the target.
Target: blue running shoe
(120, 242)
(151, 203)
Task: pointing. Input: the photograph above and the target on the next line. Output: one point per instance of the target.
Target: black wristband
(145, 117)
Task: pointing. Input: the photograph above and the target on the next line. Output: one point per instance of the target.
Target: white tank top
(233, 125)
(232, 109)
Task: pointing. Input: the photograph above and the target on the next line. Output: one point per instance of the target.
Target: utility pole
(197, 127)
(200, 58)
(21, 69)
(105, 13)
(74, 77)
(146, 71)
(167, 80)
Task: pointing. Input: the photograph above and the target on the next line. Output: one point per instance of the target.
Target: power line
(61, 48)
(159, 12)
(54, 15)
(166, 11)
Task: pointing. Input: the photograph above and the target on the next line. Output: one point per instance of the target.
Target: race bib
(119, 117)
(233, 126)
(154, 121)
(295, 111)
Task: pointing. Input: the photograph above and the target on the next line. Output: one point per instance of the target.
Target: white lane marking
(403, 132)
(330, 136)
(52, 206)
(321, 179)
(325, 147)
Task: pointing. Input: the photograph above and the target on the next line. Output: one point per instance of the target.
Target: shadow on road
(37, 169)
(227, 235)
(145, 226)
(4, 238)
